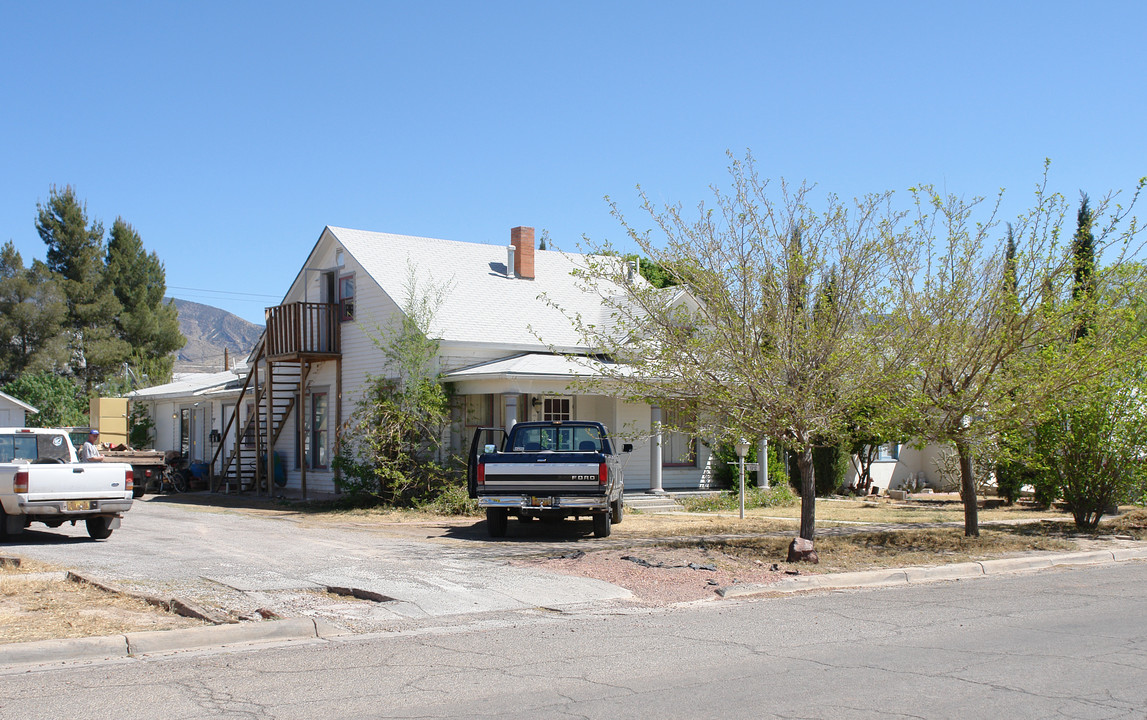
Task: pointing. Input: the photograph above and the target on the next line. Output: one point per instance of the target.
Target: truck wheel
(601, 524)
(137, 488)
(616, 510)
(98, 528)
(496, 521)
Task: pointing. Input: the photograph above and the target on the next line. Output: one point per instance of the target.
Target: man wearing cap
(90, 452)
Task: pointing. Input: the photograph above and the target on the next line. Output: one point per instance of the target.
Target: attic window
(346, 298)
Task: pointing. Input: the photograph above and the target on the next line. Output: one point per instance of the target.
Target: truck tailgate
(548, 478)
(86, 481)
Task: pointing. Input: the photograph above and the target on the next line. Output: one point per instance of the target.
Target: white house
(186, 410)
(902, 465)
(502, 345)
(13, 412)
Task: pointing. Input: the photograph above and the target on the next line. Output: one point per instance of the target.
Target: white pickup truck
(42, 481)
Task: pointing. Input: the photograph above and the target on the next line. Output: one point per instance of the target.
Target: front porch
(539, 386)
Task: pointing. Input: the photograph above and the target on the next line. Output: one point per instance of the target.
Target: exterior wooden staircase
(297, 334)
(244, 466)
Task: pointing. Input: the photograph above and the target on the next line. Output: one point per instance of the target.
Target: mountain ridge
(210, 331)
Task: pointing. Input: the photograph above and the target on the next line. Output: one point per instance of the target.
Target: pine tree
(32, 312)
(146, 322)
(75, 253)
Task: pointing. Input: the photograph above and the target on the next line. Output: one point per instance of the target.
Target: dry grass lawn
(36, 603)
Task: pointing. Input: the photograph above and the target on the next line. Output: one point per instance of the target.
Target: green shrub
(451, 500)
(726, 475)
(1090, 449)
(755, 497)
(830, 467)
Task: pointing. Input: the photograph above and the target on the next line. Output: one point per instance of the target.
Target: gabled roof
(186, 384)
(21, 403)
(482, 305)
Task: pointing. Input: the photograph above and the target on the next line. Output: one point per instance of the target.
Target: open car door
(483, 437)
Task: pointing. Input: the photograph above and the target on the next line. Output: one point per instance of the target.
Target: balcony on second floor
(303, 331)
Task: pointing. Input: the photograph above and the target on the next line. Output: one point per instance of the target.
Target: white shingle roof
(537, 365)
(482, 305)
(184, 384)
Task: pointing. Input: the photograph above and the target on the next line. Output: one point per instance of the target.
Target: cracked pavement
(1066, 643)
(239, 564)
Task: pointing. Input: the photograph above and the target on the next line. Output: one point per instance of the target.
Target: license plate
(75, 505)
(541, 502)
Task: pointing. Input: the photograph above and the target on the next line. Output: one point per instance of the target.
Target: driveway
(283, 564)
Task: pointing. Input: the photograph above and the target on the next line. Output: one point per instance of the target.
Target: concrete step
(650, 503)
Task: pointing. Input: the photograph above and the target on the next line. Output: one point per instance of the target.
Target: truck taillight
(481, 474)
(20, 483)
(129, 481)
(602, 473)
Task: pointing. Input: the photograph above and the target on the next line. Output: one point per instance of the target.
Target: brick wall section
(522, 238)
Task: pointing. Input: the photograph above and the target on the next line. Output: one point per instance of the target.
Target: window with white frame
(678, 447)
(888, 452)
(316, 440)
(346, 297)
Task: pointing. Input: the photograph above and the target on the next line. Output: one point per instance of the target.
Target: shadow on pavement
(532, 531)
(44, 536)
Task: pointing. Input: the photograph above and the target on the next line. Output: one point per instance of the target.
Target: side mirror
(627, 447)
(489, 448)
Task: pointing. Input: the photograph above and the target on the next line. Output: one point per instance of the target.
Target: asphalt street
(1061, 643)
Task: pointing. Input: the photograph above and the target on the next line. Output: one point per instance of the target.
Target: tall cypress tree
(76, 254)
(1011, 283)
(1083, 258)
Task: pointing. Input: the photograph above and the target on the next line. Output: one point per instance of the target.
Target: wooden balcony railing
(299, 329)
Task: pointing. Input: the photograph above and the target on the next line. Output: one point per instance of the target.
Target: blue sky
(229, 134)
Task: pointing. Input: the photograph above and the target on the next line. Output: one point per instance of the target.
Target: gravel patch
(666, 575)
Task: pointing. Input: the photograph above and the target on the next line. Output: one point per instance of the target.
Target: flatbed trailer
(147, 466)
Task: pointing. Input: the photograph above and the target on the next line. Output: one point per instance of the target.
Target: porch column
(511, 411)
(303, 428)
(763, 463)
(655, 449)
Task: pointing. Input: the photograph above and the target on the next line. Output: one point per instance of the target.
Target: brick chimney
(522, 238)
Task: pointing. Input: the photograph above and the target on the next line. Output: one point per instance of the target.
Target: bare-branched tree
(777, 323)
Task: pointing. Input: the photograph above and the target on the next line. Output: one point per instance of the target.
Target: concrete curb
(915, 575)
(159, 641)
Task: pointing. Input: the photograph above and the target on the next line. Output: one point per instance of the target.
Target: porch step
(649, 503)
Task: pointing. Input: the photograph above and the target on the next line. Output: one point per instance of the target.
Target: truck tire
(98, 528)
(496, 522)
(617, 510)
(17, 527)
(601, 524)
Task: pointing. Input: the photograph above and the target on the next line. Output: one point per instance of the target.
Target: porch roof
(186, 384)
(536, 366)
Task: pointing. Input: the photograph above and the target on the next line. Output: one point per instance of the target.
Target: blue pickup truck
(547, 470)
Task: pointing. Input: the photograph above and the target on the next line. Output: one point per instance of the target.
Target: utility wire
(221, 292)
